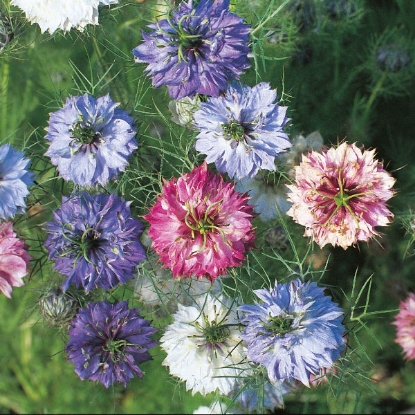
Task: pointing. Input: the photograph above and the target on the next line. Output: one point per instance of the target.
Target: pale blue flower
(294, 332)
(242, 131)
(90, 140)
(15, 178)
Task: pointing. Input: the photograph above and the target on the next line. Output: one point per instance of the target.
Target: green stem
(3, 99)
(372, 97)
(271, 16)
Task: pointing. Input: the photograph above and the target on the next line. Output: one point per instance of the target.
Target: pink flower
(340, 195)
(200, 225)
(405, 323)
(14, 259)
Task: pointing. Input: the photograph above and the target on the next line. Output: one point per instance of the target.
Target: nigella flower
(90, 139)
(199, 49)
(108, 342)
(242, 131)
(203, 346)
(340, 195)
(52, 15)
(200, 225)
(15, 178)
(14, 259)
(94, 241)
(156, 287)
(294, 331)
(259, 394)
(405, 324)
(267, 194)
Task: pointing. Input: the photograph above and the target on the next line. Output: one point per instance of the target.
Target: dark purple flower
(90, 140)
(94, 241)
(197, 50)
(108, 341)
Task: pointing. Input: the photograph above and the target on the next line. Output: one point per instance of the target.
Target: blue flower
(242, 131)
(259, 395)
(107, 342)
(197, 50)
(294, 332)
(15, 178)
(90, 140)
(94, 241)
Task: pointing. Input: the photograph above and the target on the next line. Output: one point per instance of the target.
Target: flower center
(205, 224)
(89, 241)
(84, 133)
(215, 333)
(188, 41)
(279, 325)
(234, 130)
(115, 348)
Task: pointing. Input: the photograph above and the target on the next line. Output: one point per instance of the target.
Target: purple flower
(294, 332)
(94, 241)
(197, 50)
(90, 140)
(15, 178)
(108, 341)
(242, 131)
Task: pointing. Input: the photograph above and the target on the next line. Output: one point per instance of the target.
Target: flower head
(52, 15)
(259, 395)
(200, 225)
(155, 286)
(94, 241)
(15, 178)
(108, 342)
(242, 131)
(405, 324)
(199, 49)
(340, 195)
(90, 139)
(14, 259)
(295, 331)
(204, 347)
(267, 194)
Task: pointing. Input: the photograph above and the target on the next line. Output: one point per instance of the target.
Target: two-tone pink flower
(200, 225)
(340, 195)
(405, 324)
(14, 259)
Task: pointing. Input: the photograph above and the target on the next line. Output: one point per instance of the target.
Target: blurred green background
(323, 58)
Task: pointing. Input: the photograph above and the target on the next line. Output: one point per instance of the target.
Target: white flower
(52, 15)
(182, 110)
(204, 347)
(300, 145)
(156, 286)
(265, 194)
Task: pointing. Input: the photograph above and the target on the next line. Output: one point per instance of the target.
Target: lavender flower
(197, 50)
(90, 139)
(242, 131)
(294, 332)
(15, 179)
(108, 341)
(94, 241)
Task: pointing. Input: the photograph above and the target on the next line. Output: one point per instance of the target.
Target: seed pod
(58, 307)
(6, 31)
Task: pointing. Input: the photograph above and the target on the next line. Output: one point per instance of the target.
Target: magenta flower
(200, 225)
(340, 195)
(14, 259)
(405, 323)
